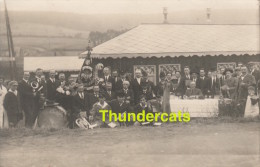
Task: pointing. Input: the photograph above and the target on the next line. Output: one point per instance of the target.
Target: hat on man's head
(251, 88)
(228, 69)
(13, 83)
(144, 73)
(87, 68)
(194, 72)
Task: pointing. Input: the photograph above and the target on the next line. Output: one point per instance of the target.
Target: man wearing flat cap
(12, 104)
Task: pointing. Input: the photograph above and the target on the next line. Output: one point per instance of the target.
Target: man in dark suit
(93, 97)
(51, 85)
(203, 83)
(147, 83)
(186, 79)
(117, 83)
(255, 72)
(177, 87)
(136, 85)
(107, 77)
(109, 94)
(146, 93)
(194, 78)
(193, 92)
(27, 97)
(119, 105)
(38, 79)
(12, 104)
(80, 104)
(213, 84)
(244, 82)
(128, 93)
(63, 92)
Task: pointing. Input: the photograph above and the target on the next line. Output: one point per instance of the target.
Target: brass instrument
(35, 85)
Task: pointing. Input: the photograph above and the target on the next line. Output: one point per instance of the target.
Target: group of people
(87, 95)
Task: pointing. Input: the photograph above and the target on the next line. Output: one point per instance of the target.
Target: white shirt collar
(14, 92)
(102, 106)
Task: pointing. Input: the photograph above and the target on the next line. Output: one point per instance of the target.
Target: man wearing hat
(12, 104)
(230, 84)
(27, 97)
(245, 80)
(87, 78)
(194, 78)
(146, 82)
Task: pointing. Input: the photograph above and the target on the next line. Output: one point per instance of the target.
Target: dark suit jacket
(116, 108)
(203, 85)
(80, 104)
(149, 84)
(109, 97)
(177, 87)
(256, 74)
(110, 79)
(194, 92)
(26, 95)
(137, 89)
(12, 106)
(183, 85)
(147, 109)
(92, 99)
(51, 89)
(117, 85)
(129, 95)
(249, 80)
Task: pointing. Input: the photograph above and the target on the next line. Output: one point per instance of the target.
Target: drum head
(52, 117)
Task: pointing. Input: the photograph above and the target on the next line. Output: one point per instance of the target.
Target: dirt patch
(200, 144)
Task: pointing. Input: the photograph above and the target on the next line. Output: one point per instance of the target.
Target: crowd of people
(116, 91)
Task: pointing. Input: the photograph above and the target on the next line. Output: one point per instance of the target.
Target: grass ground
(202, 142)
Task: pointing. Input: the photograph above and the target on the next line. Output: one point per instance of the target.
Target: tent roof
(161, 40)
(59, 63)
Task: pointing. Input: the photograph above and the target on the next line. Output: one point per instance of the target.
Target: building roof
(148, 40)
(59, 63)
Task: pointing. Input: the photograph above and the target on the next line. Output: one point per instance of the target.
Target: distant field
(31, 29)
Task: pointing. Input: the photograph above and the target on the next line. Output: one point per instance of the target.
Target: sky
(125, 6)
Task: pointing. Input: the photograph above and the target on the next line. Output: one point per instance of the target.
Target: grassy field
(201, 142)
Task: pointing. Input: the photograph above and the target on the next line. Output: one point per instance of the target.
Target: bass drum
(52, 117)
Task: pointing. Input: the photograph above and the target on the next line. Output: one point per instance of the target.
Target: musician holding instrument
(229, 85)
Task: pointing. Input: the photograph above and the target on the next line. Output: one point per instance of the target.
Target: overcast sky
(125, 6)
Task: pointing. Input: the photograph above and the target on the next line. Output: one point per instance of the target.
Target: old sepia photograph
(133, 83)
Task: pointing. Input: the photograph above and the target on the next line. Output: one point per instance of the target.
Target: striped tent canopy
(161, 40)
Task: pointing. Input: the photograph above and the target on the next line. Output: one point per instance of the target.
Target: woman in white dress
(3, 116)
(252, 107)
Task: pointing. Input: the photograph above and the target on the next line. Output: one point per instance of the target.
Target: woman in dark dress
(11, 104)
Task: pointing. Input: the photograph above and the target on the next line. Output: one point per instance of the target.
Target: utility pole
(10, 46)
